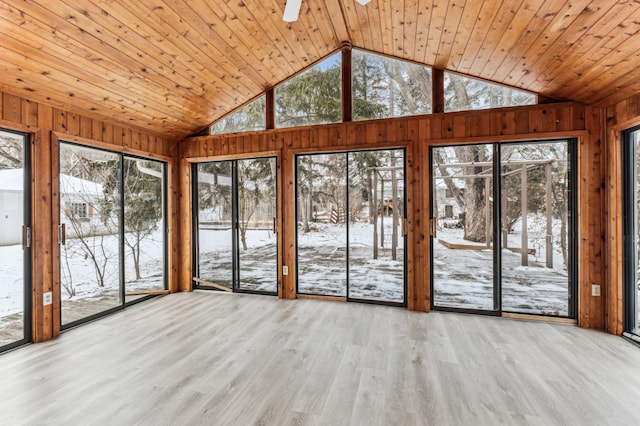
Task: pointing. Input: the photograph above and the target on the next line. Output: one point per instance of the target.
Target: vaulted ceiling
(174, 66)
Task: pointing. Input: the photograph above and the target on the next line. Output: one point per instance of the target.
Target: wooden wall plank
(11, 108)
(590, 228)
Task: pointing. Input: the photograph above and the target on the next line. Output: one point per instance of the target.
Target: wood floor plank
(218, 358)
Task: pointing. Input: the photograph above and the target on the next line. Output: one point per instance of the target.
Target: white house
(77, 198)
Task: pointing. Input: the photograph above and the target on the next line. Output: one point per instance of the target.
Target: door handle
(434, 226)
(26, 237)
(62, 234)
(275, 229)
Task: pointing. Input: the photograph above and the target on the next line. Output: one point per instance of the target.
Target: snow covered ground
(464, 278)
(89, 298)
(258, 264)
(322, 262)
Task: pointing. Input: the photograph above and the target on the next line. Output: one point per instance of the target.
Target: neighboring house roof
(13, 180)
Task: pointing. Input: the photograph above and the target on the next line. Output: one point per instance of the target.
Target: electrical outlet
(285, 270)
(47, 298)
(595, 290)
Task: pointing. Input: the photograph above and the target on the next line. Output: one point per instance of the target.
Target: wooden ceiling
(174, 66)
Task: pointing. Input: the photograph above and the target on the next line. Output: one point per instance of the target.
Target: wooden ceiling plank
(475, 42)
(297, 34)
(241, 27)
(205, 37)
(594, 45)
(495, 31)
(364, 24)
(422, 29)
(34, 46)
(98, 37)
(325, 28)
(68, 78)
(338, 23)
(536, 26)
(505, 46)
(436, 27)
(150, 25)
(620, 95)
(353, 23)
(386, 29)
(617, 67)
(313, 27)
(449, 33)
(370, 13)
(40, 89)
(530, 58)
(397, 27)
(561, 49)
(271, 21)
(72, 49)
(466, 28)
(410, 28)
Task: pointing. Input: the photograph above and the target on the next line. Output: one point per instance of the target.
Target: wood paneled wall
(622, 116)
(417, 134)
(45, 125)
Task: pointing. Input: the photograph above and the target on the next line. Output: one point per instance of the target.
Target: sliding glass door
(15, 236)
(462, 199)
(236, 246)
(631, 212)
(532, 219)
(112, 231)
(351, 223)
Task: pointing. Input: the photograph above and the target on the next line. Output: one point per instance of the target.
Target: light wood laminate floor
(227, 359)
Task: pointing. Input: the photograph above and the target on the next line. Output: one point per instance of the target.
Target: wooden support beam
(347, 91)
(270, 109)
(437, 90)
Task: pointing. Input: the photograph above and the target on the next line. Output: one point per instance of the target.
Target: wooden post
(437, 90)
(347, 93)
(524, 210)
(549, 208)
(373, 210)
(270, 109)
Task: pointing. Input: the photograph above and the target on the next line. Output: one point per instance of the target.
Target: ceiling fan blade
(291, 10)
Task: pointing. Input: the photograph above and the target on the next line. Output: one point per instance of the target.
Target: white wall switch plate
(285, 270)
(595, 290)
(47, 298)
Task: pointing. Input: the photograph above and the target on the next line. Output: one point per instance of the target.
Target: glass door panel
(462, 211)
(376, 225)
(631, 213)
(535, 242)
(90, 212)
(258, 243)
(634, 295)
(14, 256)
(215, 224)
(321, 181)
(143, 227)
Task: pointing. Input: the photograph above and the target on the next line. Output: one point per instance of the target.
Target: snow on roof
(74, 185)
(13, 180)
